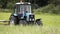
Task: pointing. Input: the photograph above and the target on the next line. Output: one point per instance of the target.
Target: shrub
(51, 8)
(6, 10)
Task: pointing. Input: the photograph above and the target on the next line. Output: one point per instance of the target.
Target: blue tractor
(23, 14)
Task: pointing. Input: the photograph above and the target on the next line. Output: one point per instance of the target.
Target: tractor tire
(23, 22)
(12, 21)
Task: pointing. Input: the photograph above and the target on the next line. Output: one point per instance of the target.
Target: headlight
(30, 19)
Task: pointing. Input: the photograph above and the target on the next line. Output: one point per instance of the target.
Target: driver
(27, 15)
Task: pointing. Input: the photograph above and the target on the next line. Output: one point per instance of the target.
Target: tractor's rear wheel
(13, 21)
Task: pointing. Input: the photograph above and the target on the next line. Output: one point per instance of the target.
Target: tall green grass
(49, 19)
(51, 25)
(29, 30)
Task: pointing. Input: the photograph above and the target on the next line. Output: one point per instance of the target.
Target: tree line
(10, 3)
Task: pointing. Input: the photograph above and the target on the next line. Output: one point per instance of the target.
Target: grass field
(51, 25)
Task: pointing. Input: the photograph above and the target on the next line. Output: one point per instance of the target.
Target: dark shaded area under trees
(6, 3)
(40, 3)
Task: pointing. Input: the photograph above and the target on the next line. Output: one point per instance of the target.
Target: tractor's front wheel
(12, 21)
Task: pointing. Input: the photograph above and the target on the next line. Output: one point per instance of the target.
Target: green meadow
(51, 25)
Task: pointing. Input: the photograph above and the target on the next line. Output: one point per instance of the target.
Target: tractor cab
(22, 8)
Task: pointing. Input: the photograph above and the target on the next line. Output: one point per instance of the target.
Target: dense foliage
(10, 3)
(51, 8)
(46, 6)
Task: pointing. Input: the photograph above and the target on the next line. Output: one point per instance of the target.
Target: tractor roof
(23, 3)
